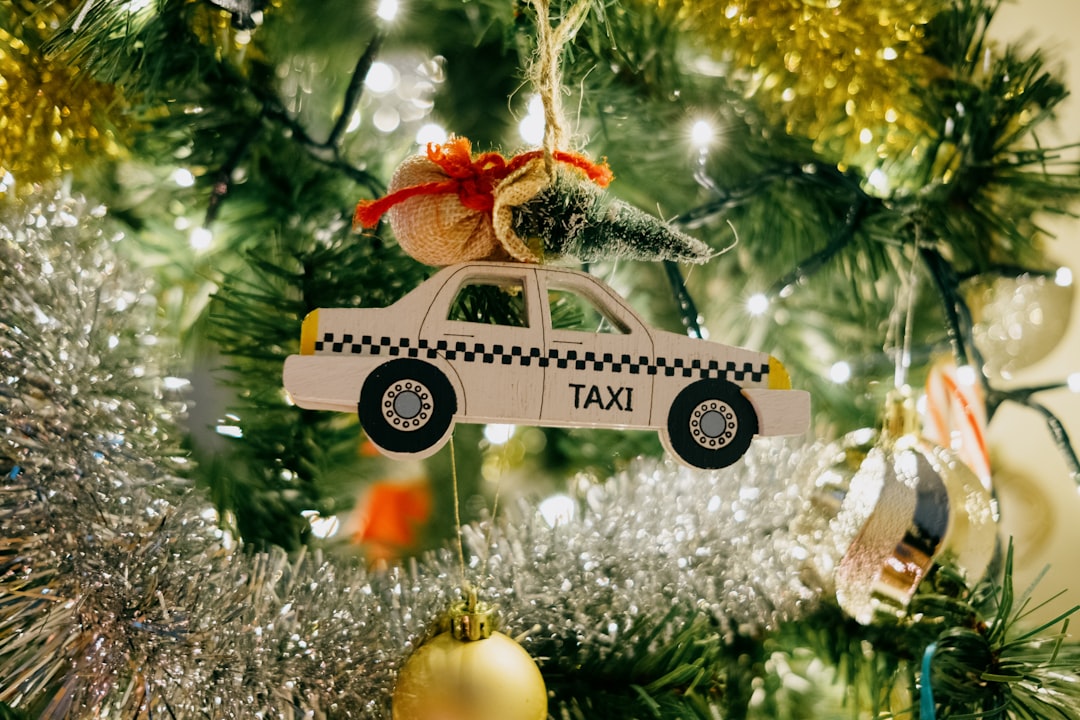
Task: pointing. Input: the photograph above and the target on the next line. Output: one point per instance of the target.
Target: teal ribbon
(926, 693)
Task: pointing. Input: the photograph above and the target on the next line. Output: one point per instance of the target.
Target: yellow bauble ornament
(470, 672)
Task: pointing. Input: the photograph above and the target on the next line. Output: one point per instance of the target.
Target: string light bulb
(200, 238)
(840, 372)
(531, 127)
(757, 304)
(966, 375)
(702, 135)
(381, 78)
(431, 133)
(499, 434)
(387, 10)
(183, 177)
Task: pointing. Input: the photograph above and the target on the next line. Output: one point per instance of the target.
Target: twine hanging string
(465, 586)
(900, 417)
(479, 224)
(903, 357)
(546, 75)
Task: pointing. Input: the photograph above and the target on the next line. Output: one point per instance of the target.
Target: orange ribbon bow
(474, 181)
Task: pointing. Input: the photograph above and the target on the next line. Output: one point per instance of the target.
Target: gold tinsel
(51, 119)
(836, 71)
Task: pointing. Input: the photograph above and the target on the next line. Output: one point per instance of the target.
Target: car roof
(484, 265)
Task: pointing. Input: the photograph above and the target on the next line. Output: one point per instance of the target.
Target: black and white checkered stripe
(511, 354)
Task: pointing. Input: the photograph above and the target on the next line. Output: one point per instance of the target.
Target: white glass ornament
(889, 504)
(1019, 320)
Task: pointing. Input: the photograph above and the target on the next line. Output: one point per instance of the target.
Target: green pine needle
(1004, 669)
(575, 220)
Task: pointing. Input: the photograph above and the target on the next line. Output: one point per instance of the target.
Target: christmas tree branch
(957, 314)
(223, 179)
(330, 151)
(998, 666)
(728, 198)
(959, 326)
(318, 149)
(101, 40)
(354, 90)
(1023, 396)
(841, 238)
(724, 198)
(688, 311)
(669, 668)
(1008, 270)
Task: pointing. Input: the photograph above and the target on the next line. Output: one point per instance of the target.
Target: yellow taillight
(309, 333)
(778, 377)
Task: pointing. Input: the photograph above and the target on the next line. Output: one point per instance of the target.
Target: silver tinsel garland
(120, 594)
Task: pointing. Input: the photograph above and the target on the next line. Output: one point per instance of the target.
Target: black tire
(710, 424)
(407, 406)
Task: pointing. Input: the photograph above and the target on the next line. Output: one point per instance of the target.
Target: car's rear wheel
(710, 424)
(407, 406)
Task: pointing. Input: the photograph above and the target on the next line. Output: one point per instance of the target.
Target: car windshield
(572, 310)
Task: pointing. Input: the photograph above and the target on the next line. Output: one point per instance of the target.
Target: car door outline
(595, 378)
(497, 365)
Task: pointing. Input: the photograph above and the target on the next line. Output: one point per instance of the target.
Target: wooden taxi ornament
(567, 352)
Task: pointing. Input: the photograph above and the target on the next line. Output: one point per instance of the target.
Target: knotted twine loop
(545, 72)
(448, 207)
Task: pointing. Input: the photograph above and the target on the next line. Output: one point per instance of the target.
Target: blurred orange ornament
(389, 514)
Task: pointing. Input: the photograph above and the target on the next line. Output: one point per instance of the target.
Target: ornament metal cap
(470, 619)
(901, 417)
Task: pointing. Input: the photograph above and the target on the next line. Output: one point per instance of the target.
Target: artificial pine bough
(668, 594)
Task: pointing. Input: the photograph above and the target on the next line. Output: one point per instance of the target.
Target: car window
(571, 310)
(491, 303)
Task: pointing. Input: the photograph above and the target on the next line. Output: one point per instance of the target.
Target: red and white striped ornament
(954, 415)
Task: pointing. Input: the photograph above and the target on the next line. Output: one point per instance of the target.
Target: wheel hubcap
(713, 424)
(407, 405)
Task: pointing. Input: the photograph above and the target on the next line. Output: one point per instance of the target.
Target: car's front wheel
(407, 406)
(710, 424)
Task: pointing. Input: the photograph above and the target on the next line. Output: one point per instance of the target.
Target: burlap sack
(516, 189)
(437, 229)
